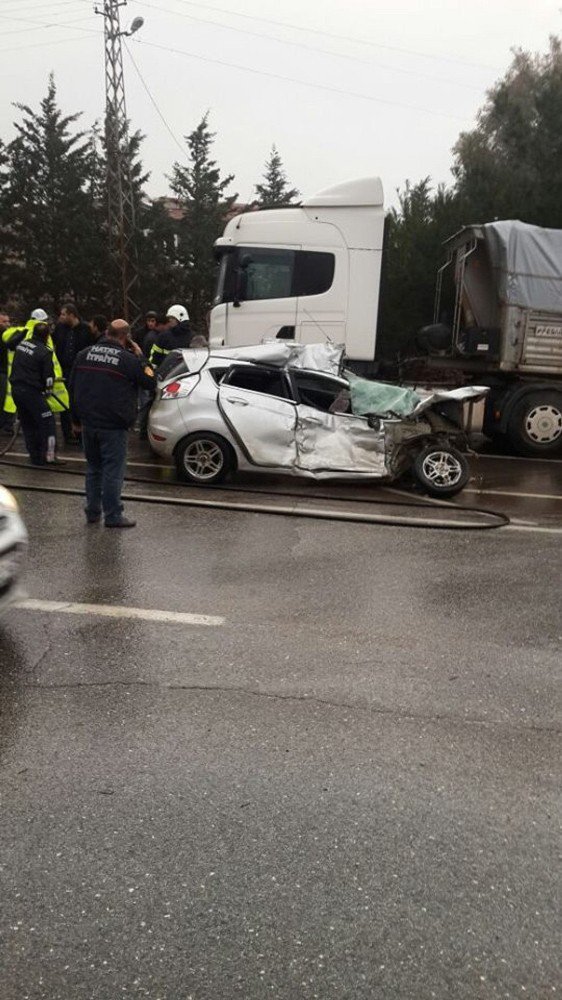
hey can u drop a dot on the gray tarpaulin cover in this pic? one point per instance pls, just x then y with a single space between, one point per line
527 263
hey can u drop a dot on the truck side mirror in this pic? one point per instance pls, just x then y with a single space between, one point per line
241 280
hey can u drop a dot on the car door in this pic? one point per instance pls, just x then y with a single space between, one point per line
256 404
333 442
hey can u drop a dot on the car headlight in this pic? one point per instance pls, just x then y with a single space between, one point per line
8 500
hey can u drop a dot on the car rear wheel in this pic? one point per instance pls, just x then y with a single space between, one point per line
204 459
441 471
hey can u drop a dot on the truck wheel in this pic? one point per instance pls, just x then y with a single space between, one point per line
535 425
204 459
441 471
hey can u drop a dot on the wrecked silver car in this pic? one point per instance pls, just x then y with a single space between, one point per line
287 408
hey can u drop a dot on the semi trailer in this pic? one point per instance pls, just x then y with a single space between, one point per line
311 272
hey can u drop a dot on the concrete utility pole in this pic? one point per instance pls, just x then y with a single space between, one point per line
121 205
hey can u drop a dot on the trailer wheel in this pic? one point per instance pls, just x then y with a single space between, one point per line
441 471
535 425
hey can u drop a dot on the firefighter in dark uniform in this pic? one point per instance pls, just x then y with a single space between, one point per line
178 335
32 376
104 387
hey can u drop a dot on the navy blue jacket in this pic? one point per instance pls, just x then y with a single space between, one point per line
104 385
32 365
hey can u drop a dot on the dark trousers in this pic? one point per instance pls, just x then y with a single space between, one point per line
6 419
146 399
106 460
37 422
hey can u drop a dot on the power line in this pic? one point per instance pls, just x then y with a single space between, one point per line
39 7
279 76
41 24
308 48
153 101
53 24
337 37
302 83
59 41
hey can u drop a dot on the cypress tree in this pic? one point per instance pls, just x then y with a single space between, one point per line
47 166
275 190
202 194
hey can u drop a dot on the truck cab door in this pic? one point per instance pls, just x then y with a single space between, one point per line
262 304
257 407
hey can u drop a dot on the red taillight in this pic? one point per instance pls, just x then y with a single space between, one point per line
158 437
177 389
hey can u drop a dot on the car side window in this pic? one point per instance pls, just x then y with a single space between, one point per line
317 390
271 383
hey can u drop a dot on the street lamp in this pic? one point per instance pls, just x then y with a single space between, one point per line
135 26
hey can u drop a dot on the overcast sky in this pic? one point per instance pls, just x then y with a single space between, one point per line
394 83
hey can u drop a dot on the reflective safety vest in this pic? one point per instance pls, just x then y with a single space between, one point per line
157 355
59 390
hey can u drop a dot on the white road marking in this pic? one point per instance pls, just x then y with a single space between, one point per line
509 493
516 458
114 611
538 529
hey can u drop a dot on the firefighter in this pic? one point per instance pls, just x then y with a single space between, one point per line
58 399
32 376
178 335
104 387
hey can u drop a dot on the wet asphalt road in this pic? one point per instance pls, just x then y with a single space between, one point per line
348 786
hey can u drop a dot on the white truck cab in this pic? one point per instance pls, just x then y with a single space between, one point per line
307 273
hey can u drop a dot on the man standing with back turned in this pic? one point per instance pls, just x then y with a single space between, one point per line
104 389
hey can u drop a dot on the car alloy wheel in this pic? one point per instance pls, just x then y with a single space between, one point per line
442 472
204 459
442 468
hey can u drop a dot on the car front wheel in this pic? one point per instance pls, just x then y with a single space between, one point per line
442 471
204 459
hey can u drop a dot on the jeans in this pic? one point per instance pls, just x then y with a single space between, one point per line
37 422
106 460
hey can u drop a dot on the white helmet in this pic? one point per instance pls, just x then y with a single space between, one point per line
178 312
40 315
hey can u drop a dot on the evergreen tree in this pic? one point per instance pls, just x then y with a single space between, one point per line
413 250
202 195
94 226
160 276
275 190
49 259
6 223
510 164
